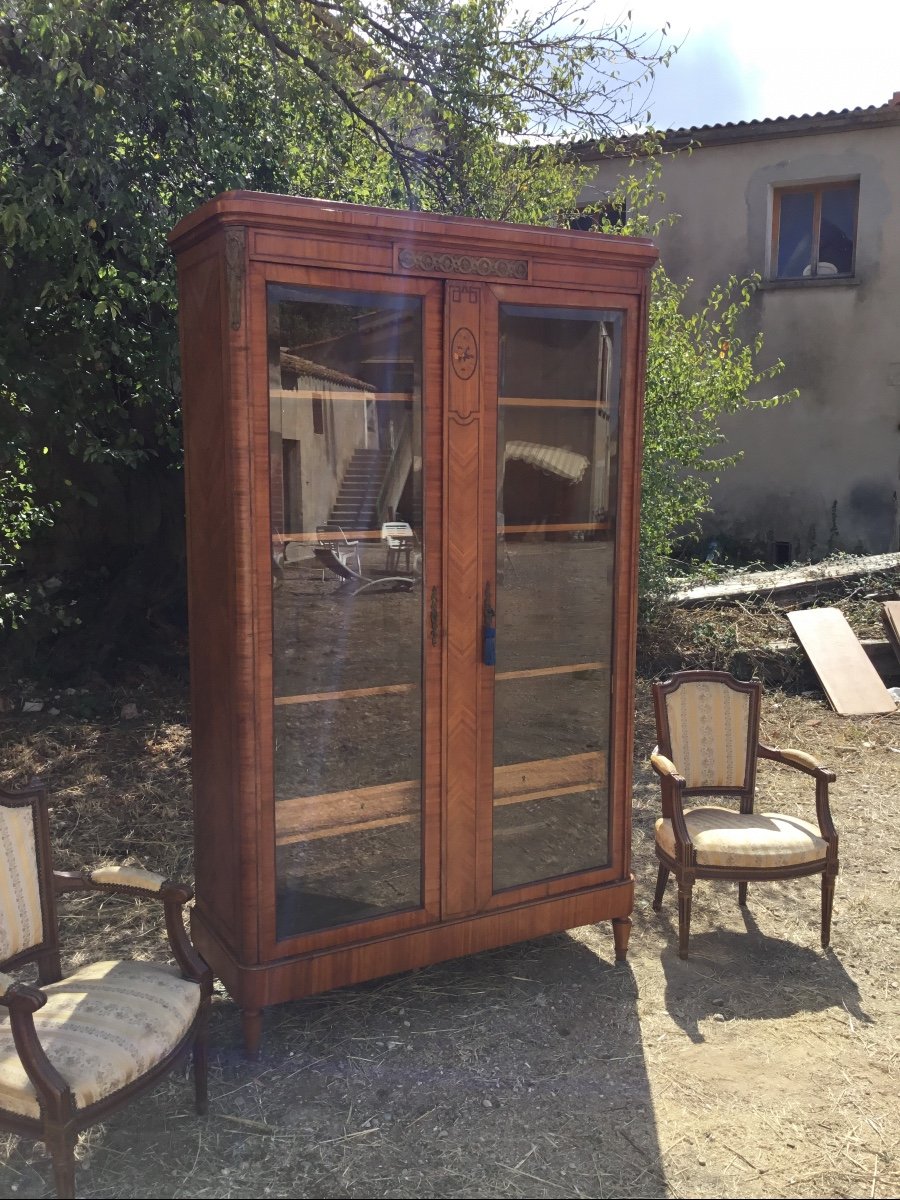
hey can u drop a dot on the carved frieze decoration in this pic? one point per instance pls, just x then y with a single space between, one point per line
439 262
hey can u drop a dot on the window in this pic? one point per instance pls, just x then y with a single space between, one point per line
318 414
595 215
814 230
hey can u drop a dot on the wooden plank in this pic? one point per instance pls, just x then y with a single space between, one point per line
778 583
850 682
890 616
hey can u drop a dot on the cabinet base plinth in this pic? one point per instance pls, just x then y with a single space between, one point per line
255 985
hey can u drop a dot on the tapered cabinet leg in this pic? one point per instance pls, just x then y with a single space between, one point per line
621 934
661 880
827 905
685 888
251 1020
742 893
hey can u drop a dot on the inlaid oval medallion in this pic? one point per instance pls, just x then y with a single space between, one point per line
464 353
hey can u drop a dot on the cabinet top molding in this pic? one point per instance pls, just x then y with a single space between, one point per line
417 231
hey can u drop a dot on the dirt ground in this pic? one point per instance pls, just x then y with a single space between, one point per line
760 1067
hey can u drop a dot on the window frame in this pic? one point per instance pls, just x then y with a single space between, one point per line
818 187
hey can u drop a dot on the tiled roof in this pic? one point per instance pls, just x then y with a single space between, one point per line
875 114
807 124
305 366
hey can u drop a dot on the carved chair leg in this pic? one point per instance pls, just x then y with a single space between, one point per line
828 881
621 933
742 893
61 1144
685 887
201 1060
661 880
251 1020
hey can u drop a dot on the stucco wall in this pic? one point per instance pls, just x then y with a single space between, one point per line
822 472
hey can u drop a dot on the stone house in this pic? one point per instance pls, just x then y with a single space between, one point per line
812 204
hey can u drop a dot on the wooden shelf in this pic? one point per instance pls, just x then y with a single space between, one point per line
550 402
390 689
322 393
536 672
352 535
584 526
400 689
308 818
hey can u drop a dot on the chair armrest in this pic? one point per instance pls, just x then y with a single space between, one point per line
134 881
798 759
801 761
665 768
16 995
673 785
23 1001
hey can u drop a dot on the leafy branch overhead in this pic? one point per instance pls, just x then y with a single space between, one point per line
442 87
119 117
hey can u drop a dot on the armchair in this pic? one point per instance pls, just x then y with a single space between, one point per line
707 723
74 1049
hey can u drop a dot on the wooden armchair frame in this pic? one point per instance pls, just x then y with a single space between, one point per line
684 864
61 1119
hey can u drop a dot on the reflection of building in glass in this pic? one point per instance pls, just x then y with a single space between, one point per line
343 377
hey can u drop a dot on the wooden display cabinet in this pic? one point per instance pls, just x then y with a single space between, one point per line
413 462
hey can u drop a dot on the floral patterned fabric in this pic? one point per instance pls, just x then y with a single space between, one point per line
21 923
723 838
708 729
102 1028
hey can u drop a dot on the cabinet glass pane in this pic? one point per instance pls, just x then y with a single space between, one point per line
345 463
556 443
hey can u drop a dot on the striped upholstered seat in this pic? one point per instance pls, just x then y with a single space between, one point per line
708 727
75 1048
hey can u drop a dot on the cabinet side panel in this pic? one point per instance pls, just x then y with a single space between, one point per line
210 591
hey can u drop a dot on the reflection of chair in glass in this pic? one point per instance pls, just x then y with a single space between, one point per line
329 559
707 723
335 540
74 1049
400 540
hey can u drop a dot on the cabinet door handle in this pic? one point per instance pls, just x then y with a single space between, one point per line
435 616
488 630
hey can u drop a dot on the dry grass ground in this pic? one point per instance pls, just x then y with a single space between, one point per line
760 1067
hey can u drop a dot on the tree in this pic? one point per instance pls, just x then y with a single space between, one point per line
701 366
120 116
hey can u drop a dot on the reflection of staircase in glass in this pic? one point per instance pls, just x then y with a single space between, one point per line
357 501
373 484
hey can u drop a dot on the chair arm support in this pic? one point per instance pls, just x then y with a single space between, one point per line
23 1001
801 761
672 786
137 882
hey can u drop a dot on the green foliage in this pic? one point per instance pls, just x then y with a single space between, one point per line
118 117
702 365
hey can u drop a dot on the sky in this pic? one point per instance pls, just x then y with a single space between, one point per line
768 58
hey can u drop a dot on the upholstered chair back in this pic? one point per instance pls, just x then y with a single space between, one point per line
710 727
21 916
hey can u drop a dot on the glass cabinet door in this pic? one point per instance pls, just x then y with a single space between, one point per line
345 462
556 456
